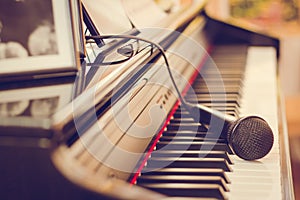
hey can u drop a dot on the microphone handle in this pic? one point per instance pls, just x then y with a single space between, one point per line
206 115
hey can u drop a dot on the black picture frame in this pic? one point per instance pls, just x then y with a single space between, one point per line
36 38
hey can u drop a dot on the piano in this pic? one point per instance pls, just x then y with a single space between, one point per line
121 132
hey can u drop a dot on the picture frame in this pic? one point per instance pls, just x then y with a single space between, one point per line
77 15
36 38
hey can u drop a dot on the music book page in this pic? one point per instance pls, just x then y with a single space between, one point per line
109 17
143 13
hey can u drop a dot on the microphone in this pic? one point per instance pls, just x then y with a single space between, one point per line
250 137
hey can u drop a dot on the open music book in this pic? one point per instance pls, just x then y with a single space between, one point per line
120 16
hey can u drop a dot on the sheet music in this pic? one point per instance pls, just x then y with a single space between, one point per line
109 17
143 13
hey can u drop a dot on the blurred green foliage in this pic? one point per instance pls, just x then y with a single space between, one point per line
257 8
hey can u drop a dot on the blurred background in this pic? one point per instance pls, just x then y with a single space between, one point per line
281 19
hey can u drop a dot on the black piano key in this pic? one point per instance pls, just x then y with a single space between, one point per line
182 120
186 171
214 104
231 50
227 63
215 87
217 78
184 115
217 106
232 108
233 80
236 51
198 145
192 146
235 90
215 96
216 82
195 100
226 69
220 73
180 114
188 190
239 53
184 126
183 179
190 153
201 92
227 53
232 113
191 133
223 76
191 120
186 138
189 162
207 75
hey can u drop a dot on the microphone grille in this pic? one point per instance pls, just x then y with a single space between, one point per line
250 138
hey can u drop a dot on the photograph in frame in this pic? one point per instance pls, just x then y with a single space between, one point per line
36 37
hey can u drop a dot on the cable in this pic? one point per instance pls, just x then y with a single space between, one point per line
160 48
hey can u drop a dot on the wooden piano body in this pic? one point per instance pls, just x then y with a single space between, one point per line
107 141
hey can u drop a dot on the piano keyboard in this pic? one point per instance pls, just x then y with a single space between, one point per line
177 167
108 142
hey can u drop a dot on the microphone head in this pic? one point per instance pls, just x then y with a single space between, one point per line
250 138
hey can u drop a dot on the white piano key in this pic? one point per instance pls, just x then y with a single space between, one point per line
259 179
